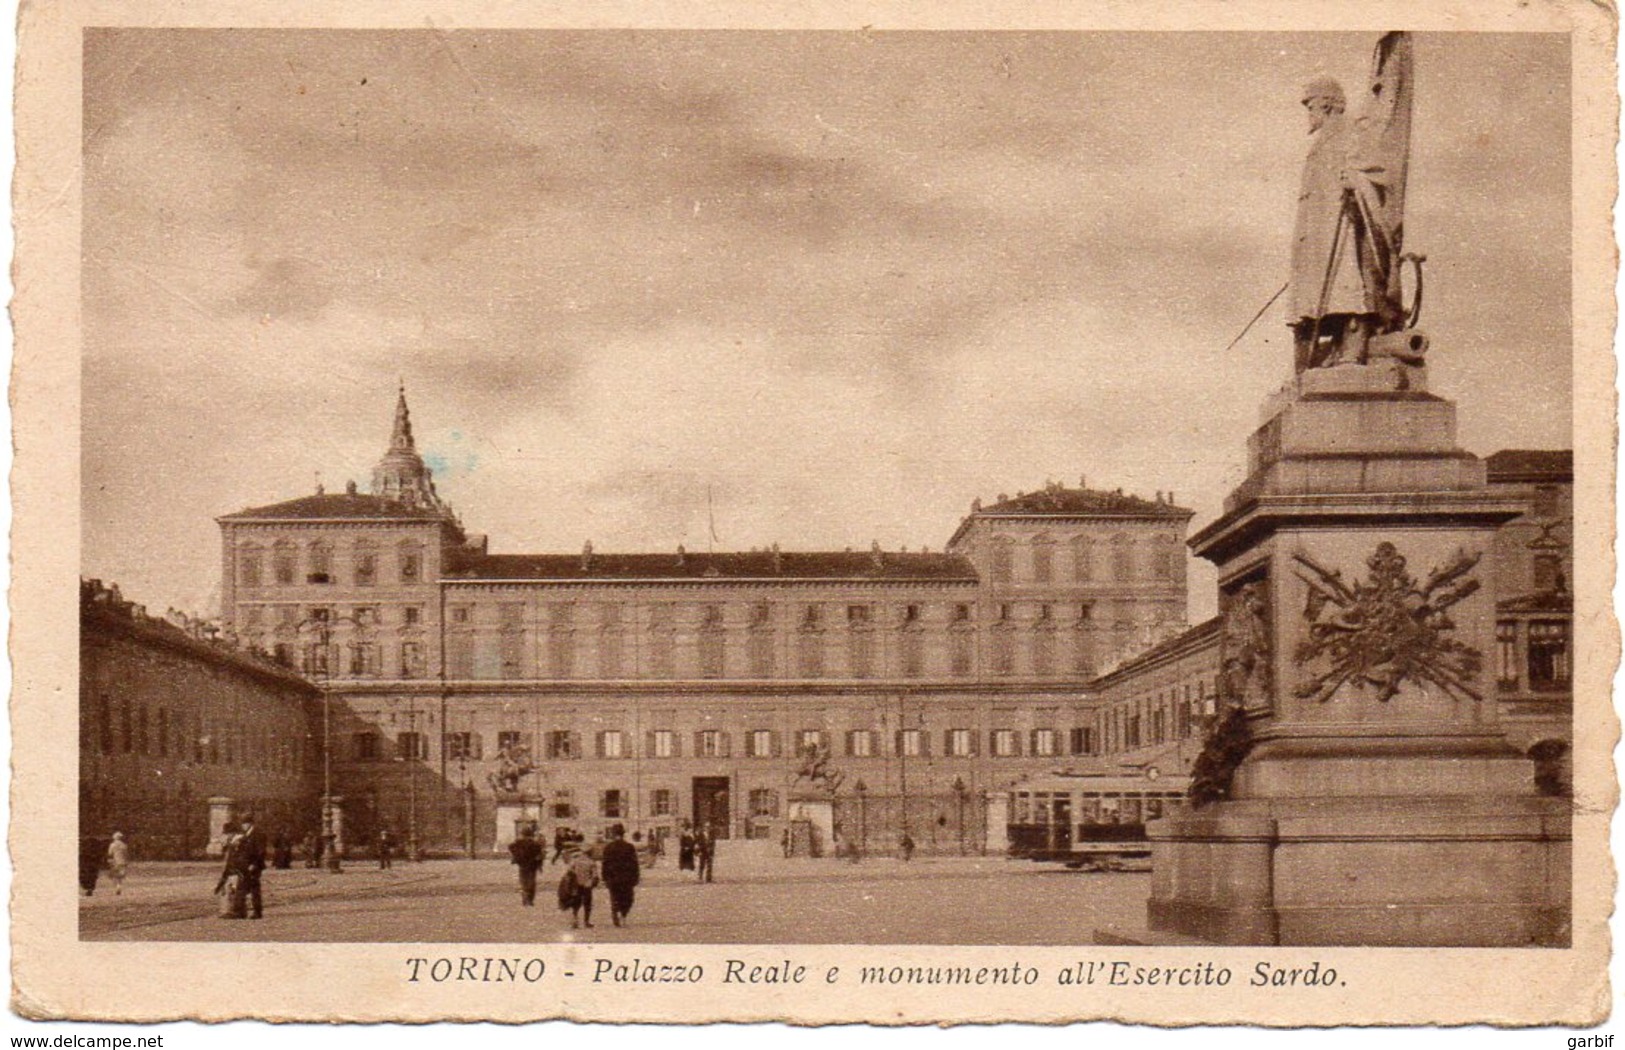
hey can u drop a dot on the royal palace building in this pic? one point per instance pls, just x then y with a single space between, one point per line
468 689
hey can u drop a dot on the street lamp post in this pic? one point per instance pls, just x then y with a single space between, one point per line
863 817
323 669
961 792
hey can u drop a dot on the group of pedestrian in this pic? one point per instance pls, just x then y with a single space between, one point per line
618 869
239 884
696 851
94 856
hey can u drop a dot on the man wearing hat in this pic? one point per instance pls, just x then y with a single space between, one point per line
528 854
252 860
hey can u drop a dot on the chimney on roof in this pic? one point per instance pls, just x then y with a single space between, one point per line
1083 481
586 556
874 554
321 490
682 555
1002 497
778 559
1170 497
1159 495
976 505
349 487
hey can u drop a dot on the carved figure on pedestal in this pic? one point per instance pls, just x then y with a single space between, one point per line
1245 689
1347 246
514 764
1386 629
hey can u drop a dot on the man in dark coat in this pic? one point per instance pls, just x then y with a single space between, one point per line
528 854
619 870
252 859
705 852
91 853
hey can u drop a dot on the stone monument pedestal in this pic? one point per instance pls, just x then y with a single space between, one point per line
1377 802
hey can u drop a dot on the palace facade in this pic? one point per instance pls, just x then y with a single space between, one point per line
648 688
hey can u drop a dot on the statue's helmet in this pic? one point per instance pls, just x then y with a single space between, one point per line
1326 88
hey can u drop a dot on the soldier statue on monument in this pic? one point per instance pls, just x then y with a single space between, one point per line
1346 252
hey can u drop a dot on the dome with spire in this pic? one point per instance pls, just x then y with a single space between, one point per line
402 475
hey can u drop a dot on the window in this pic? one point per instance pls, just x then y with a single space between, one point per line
611 744
321 564
411 660
1044 743
282 653
510 741
411 565
142 741
811 618
809 740
561 744
962 612
461 614
663 743
810 654
611 645
411 615
961 653
564 807
1043 560
318 659
282 565
711 743
1083 560
1548 654
1004 652
364 659
1004 743
1083 652
959 743
712 642
511 654
760 651
911 743
761 614
662 645
661 802
1043 650
764 803
1080 741
911 653
460 655
462 746
366 568
1122 558
761 743
248 567
611 803
1506 648
365 747
860 743
1000 560
911 615
561 651
860 651
857 615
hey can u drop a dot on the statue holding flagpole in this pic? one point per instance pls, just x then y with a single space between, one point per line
1348 241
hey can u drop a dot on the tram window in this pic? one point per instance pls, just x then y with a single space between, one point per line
1089 810
1153 808
1130 811
1024 808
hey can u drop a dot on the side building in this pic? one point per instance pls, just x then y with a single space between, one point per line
170 718
474 689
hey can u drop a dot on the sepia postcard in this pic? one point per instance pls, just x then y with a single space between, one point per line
920 514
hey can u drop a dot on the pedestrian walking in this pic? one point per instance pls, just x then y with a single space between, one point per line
705 853
620 873
282 850
528 854
908 847
386 849
685 848
229 887
91 859
561 839
118 861
252 848
575 889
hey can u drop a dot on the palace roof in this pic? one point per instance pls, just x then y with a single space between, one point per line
336 507
1065 502
752 565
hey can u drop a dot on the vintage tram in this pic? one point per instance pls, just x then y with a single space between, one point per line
1091 820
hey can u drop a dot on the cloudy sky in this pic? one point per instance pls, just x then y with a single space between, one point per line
845 281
